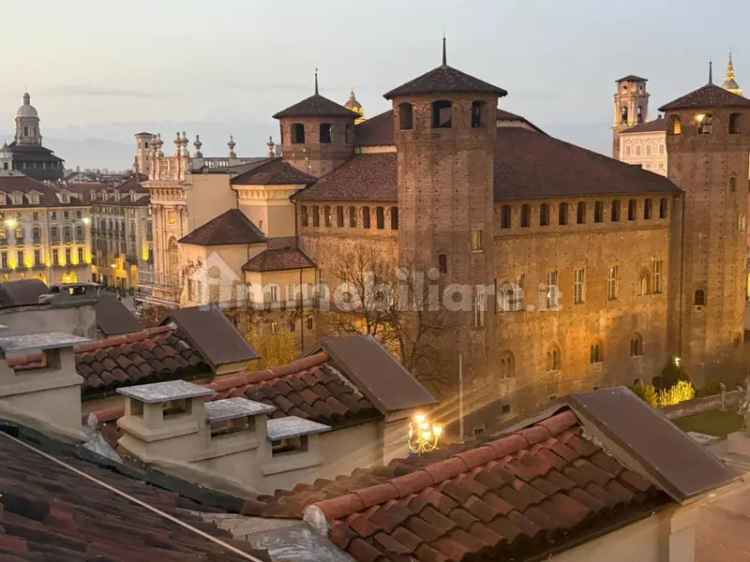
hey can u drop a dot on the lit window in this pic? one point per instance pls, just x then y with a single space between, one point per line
476 240
579 286
612 283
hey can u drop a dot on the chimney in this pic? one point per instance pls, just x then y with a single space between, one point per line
228 444
39 385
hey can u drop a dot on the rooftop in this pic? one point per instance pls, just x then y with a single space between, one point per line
39 342
235 408
707 96
230 227
273 172
316 106
293 426
278 259
653 126
445 79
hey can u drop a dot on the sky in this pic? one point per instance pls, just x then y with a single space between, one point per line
98 72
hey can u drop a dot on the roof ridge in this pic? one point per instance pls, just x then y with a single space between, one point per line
446 469
233 381
115 341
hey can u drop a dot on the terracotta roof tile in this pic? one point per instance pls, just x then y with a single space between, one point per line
445 79
365 177
279 259
274 172
493 498
316 106
706 97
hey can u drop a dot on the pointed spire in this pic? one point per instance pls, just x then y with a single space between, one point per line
710 72
445 56
316 80
730 68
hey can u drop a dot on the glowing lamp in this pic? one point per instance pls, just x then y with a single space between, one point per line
11 223
424 436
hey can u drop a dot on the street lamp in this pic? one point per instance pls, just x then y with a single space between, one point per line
424 436
86 220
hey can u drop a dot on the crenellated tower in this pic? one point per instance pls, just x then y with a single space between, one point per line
445 135
317 134
708 141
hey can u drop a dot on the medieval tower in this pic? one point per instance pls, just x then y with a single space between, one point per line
630 107
445 134
708 141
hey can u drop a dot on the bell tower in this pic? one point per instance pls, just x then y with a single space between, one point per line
317 134
445 134
708 141
630 107
27 124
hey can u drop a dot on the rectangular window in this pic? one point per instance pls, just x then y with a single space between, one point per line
479 300
4 260
20 258
55 257
80 256
552 295
658 267
599 211
476 240
632 209
505 216
615 214
340 216
647 209
316 215
443 263
380 217
543 214
67 256
525 216
663 208
365 217
37 257
327 216
581 213
303 216
579 287
394 218
612 283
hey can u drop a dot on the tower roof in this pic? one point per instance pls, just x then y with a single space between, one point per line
731 82
27 110
709 95
631 78
231 227
316 106
445 79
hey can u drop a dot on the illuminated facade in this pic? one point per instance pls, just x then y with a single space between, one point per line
45 232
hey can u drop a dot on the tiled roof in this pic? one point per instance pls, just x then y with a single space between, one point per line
311 388
50 512
632 78
445 79
376 131
708 96
508 117
316 106
230 227
529 165
10 182
365 177
279 259
654 126
154 354
522 496
113 318
274 172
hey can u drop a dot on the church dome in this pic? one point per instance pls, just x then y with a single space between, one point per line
27 110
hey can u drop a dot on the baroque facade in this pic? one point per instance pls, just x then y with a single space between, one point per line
581 271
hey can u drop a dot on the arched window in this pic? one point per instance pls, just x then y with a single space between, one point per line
615 214
352 217
380 217
647 208
405 116
636 345
644 284
525 216
298 133
477 112
325 133
507 365
632 209
700 298
304 216
733 184
543 214
510 297
553 358
340 216
624 114
675 125
599 211
705 123
735 123
663 208
505 216
394 218
596 355
442 111
562 214
365 217
443 263
581 213
316 215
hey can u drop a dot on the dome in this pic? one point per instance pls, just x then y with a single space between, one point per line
27 110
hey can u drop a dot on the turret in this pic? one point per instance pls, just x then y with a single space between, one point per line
27 123
317 134
708 142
